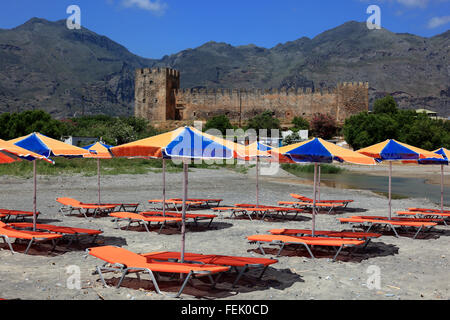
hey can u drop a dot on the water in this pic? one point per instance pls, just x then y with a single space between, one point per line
405 187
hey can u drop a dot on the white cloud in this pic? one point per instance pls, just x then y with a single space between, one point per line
409 3
414 3
438 21
155 6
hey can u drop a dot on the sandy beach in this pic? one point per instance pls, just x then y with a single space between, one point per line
409 269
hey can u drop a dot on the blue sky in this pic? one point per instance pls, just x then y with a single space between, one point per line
153 28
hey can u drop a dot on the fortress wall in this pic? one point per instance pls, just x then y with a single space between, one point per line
159 98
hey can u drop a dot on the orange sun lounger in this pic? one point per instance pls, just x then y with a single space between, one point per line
246 211
307 242
64 231
176 203
6 215
128 207
70 205
428 210
392 224
419 216
239 264
124 261
194 216
207 203
283 211
306 199
332 234
7 232
309 205
132 217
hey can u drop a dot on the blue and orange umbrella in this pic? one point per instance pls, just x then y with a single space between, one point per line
183 144
9 153
392 150
47 147
445 153
319 151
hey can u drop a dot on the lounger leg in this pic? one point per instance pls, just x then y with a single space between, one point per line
309 250
281 249
6 240
99 271
29 245
209 224
183 285
241 272
261 248
262 272
124 273
337 253
417 233
162 226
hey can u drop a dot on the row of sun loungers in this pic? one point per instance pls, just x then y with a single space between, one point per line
8 215
160 218
44 232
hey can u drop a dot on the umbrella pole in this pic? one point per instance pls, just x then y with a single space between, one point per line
390 189
257 182
442 188
183 217
98 180
318 185
164 186
34 196
314 201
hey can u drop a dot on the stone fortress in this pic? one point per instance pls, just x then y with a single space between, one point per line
159 98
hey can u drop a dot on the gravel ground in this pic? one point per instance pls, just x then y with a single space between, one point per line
408 269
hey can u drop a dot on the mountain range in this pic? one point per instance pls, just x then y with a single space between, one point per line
44 65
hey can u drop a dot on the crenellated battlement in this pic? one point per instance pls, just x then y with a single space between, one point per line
159 97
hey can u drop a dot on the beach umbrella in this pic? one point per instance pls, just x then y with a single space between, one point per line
318 151
445 153
392 150
49 148
98 151
183 144
9 153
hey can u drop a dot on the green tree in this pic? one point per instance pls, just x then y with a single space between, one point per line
263 121
407 126
385 105
221 123
300 123
15 125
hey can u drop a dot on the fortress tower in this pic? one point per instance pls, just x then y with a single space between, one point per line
155 93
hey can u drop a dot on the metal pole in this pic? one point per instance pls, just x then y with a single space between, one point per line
318 186
34 196
442 188
314 201
183 217
164 186
390 188
98 180
257 181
